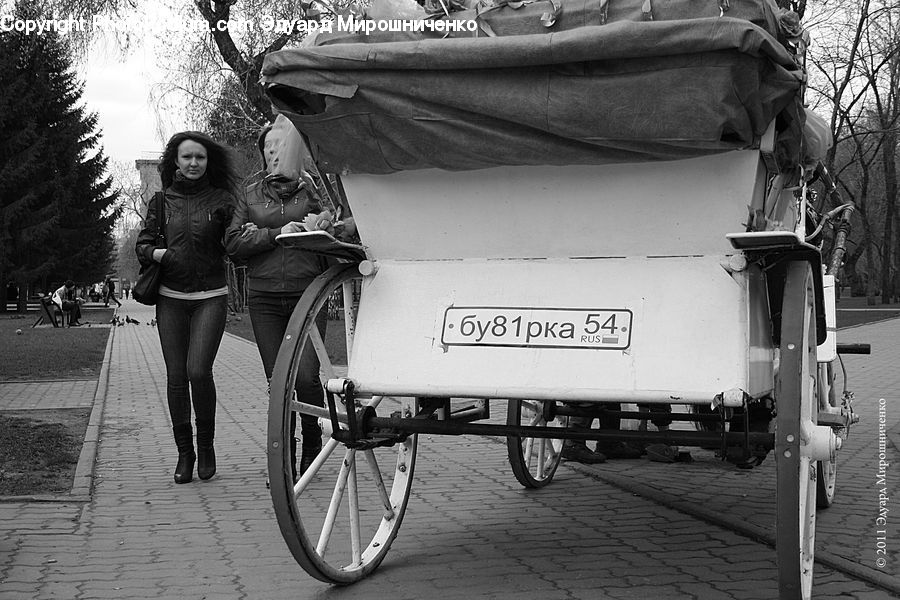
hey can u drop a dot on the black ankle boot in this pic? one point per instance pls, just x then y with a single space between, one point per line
308 454
184 439
311 438
206 455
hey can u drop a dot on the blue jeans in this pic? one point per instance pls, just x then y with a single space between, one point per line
190 332
73 308
269 315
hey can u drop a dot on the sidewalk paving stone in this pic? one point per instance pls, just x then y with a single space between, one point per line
470 531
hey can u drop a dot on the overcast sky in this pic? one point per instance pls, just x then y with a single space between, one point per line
118 87
119 92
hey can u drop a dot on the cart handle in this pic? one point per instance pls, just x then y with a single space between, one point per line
854 349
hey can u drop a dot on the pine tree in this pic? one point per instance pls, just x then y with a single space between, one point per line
56 208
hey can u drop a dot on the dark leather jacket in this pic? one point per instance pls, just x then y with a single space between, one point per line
196 218
273 268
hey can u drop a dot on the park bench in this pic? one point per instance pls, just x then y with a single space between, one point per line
48 313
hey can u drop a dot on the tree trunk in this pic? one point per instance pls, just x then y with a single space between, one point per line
3 288
22 300
850 275
888 250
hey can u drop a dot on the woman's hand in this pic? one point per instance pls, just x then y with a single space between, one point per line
293 227
248 228
345 229
158 254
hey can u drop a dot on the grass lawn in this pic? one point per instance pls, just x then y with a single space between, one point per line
857 311
47 353
39 449
240 325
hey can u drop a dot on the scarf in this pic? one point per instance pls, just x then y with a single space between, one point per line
183 185
281 186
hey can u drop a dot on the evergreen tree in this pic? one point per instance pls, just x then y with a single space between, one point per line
56 208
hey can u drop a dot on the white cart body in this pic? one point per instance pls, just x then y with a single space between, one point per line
558 245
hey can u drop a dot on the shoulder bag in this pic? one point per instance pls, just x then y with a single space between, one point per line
146 290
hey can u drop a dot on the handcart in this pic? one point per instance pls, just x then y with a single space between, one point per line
557 272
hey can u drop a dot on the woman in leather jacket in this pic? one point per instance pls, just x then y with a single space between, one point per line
198 181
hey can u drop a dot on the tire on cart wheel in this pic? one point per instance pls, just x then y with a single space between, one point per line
533 460
796 401
340 518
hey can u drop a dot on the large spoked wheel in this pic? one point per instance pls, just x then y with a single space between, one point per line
340 518
533 460
826 470
796 403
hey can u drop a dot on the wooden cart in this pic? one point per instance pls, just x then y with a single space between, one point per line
554 289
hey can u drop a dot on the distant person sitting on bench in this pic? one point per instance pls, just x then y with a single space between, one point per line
65 299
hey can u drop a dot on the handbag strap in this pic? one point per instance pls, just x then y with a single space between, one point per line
160 198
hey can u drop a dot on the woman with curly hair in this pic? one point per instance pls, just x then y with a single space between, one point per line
199 184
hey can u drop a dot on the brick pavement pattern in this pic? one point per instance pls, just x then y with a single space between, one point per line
847 528
27 395
471 532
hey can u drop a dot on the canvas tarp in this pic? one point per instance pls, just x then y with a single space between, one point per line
626 91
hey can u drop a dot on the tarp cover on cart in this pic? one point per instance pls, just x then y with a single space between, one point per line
680 82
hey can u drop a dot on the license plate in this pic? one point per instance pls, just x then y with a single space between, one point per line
594 328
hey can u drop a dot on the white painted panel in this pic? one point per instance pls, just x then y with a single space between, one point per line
664 208
688 338
827 350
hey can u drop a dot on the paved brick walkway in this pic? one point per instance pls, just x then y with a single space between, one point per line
470 532
68 393
846 529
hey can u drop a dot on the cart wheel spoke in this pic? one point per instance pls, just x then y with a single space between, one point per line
354 512
327 449
338 520
796 403
379 483
336 498
324 360
533 460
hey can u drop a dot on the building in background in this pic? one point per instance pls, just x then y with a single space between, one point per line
150 181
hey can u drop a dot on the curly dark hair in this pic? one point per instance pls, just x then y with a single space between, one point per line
220 169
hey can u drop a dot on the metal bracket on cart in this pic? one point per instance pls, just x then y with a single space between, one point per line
441 409
731 399
358 434
773 250
752 455
840 421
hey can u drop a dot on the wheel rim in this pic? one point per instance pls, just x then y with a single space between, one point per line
796 403
826 481
826 470
533 460
341 517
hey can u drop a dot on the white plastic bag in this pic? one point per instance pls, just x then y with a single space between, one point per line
395 9
817 139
